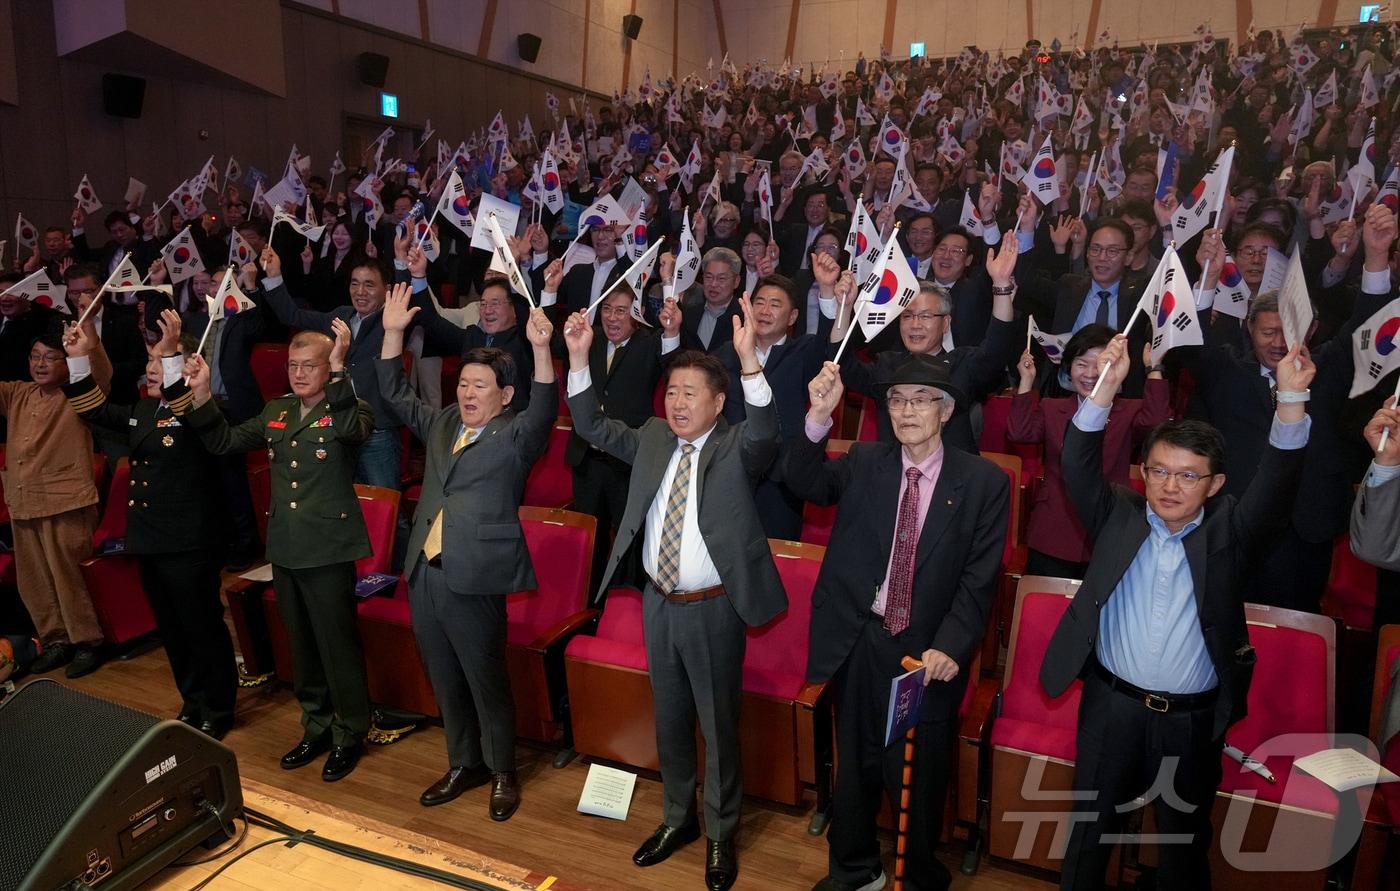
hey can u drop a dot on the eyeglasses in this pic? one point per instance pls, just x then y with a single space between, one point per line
1186 479
303 367
918 403
925 317
718 277
44 359
722 220
944 250
1111 251
1258 253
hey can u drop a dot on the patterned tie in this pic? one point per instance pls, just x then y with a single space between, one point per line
432 545
900 584
612 353
1101 316
668 557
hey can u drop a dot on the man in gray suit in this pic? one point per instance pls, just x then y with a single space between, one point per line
1375 517
690 508
467 550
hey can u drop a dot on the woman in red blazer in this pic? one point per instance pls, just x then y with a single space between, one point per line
1057 541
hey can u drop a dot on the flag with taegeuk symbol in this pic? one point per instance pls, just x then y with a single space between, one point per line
181 257
228 300
39 288
890 287
1170 307
1053 345
1231 293
1375 348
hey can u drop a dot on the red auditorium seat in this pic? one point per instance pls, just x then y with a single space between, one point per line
1351 588
113 581
1013 560
540 622
996 415
1378 849
1292 692
785 729
1032 737
269 363
868 421
551 480
816 519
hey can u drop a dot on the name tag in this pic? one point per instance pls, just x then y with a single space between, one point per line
131 422
324 421
277 425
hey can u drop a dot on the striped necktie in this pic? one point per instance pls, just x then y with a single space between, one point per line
668 557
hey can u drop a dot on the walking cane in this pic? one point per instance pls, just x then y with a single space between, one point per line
906 780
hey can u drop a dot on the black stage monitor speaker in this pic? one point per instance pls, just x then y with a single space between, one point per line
92 792
123 95
529 46
632 25
373 68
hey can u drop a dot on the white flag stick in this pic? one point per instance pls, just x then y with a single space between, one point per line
199 350
1088 184
1385 434
842 348
1029 322
97 298
1126 328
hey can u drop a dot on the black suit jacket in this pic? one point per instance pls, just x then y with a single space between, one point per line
956 562
364 349
724 328
792 244
1219 551
169 510
441 337
126 348
626 392
978 371
146 252
791 365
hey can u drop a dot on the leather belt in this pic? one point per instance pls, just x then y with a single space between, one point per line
695 596
1157 702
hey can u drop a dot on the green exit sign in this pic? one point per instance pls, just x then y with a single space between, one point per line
389 105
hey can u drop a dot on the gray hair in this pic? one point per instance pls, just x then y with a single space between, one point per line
942 299
726 256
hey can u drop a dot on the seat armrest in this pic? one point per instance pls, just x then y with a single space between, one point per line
810 695
563 630
976 724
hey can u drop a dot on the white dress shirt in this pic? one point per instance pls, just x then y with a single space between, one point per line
697 568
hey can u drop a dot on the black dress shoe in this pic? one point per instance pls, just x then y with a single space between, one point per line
453 783
55 655
86 660
721 865
664 842
305 752
505 795
217 729
341 761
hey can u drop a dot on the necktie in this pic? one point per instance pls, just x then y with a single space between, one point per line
432 545
668 558
900 585
612 353
490 340
1101 315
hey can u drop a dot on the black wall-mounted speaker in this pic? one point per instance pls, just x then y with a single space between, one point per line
529 47
123 95
632 25
373 69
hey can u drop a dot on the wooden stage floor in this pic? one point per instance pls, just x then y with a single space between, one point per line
546 837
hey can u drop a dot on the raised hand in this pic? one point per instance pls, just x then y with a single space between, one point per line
1113 368
670 318
1378 233
1386 418
1344 241
578 337
341 348
308 257
1212 252
825 270
1295 371
1025 370
539 329
746 336
271 263
403 240
417 262
197 376
398 314
80 340
156 273
554 276
668 267
1001 262
248 276
824 393
170 326
1060 232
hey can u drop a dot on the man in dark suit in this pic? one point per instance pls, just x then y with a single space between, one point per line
316 531
498 327
788 362
977 371
709 322
381 453
1157 630
690 509
1062 302
795 238
1235 385
120 332
582 284
175 531
929 523
467 550
626 364
126 238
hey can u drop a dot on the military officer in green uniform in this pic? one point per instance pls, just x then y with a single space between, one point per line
175 532
315 532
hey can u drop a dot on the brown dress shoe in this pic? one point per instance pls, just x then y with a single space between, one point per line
505 795
453 783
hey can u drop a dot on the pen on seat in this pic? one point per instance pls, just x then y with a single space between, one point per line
1250 763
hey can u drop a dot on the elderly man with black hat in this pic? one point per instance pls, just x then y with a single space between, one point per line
910 570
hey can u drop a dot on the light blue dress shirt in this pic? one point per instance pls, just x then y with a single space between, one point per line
1149 629
1090 309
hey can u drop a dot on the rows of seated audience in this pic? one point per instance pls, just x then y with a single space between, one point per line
150 448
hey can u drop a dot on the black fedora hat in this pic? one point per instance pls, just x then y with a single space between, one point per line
921 370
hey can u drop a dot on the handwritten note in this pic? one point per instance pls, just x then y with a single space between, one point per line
1344 769
607 792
